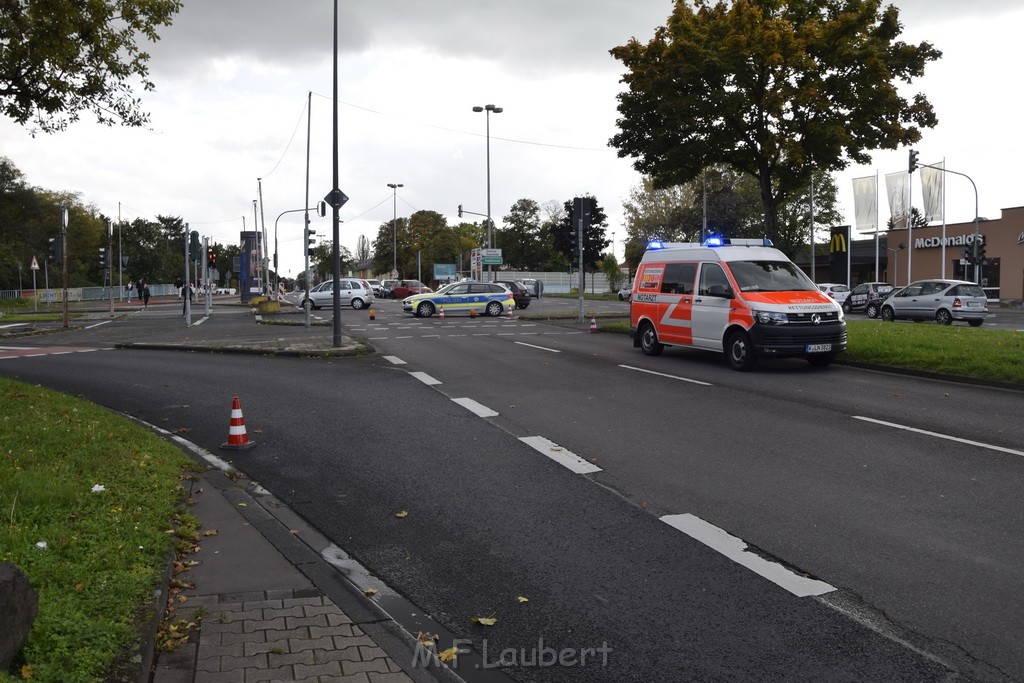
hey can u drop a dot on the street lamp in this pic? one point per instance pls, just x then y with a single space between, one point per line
394 228
497 110
896 261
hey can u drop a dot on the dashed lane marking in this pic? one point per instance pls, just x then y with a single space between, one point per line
562 456
939 435
477 409
425 378
8 352
394 360
662 374
534 346
736 550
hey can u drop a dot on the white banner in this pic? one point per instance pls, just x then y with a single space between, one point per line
931 192
865 203
897 186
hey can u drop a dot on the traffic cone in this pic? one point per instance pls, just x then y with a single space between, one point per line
472 313
373 314
510 311
237 437
593 324
441 316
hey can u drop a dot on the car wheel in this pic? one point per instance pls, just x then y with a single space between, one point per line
649 343
425 309
943 317
975 323
358 303
494 308
872 310
821 360
888 315
521 306
739 351
847 308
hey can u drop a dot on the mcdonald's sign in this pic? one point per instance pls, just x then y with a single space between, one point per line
839 244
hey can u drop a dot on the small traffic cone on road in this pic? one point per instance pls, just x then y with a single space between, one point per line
472 313
593 324
373 314
441 316
237 437
510 311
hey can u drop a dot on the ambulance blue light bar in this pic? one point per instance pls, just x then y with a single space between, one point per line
715 241
655 244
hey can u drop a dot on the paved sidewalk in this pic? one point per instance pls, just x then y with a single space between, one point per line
267 607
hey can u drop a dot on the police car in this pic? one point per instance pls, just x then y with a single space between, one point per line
486 298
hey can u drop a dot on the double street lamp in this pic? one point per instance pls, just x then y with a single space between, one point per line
488 109
394 228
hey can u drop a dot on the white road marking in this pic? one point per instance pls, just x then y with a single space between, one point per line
948 437
477 409
425 378
394 360
534 346
562 456
662 374
736 550
105 322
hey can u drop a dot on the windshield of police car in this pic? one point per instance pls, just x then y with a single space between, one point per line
770 276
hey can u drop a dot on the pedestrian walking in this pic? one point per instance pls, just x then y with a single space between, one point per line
188 290
144 288
129 289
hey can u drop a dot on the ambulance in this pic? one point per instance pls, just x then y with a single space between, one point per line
740 297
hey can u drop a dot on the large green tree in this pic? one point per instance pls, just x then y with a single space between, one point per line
777 89
59 58
521 238
565 242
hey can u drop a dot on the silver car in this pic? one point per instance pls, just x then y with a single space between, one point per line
354 293
940 300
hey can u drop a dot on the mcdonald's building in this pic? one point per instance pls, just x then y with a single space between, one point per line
933 251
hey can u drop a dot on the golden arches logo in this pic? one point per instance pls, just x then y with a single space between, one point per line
838 243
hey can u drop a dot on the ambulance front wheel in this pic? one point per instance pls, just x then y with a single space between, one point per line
649 343
739 351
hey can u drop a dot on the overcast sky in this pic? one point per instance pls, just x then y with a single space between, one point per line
232 78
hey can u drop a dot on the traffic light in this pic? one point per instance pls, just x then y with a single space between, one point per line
211 257
913 160
193 247
979 247
104 258
53 250
310 241
460 210
967 255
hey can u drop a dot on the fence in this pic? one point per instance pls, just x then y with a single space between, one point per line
562 283
53 295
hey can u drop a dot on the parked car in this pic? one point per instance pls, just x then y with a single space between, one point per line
940 300
874 305
354 293
486 298
625 292
520 294
386 288
377 288
865 292
835 290
405 288
533 286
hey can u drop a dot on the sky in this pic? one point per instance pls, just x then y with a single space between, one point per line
233 77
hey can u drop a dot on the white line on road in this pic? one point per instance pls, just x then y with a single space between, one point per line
477 409
425 378
941 436
562 456
105 322
662 374
394 360
534 346
736 550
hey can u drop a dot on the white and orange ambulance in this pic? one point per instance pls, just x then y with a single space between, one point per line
741 297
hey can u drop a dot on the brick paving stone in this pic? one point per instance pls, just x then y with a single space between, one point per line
263 625
212 624
303 602
368 652
300 644
336 619
241 615
208 650
339 630
236 676
242 597
377 665
327 608
282 611
295 622
272 644
349 653
341 642
254 662
289 658
262 604
388 678
283 673
356 678
231 638
286 633
328 669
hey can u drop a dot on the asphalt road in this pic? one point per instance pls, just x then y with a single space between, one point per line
917 533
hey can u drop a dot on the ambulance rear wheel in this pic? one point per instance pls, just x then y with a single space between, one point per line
739 351
649 343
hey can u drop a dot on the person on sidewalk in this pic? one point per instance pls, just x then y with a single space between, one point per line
144 288
190 290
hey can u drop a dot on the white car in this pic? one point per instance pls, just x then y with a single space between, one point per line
625 292
352 292
835 290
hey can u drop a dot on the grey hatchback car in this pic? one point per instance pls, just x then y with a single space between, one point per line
940 300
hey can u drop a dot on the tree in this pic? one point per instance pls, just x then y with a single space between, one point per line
520 238
564 240
916 220
362 248
778 89
61 57
610 267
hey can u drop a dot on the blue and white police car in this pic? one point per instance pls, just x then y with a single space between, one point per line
485 298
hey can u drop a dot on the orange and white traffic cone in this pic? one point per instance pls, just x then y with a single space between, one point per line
373 314
441 316
237 437
511 306
472 313
593 324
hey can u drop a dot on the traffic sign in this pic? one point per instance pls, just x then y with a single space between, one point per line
490 257
336 198
35 264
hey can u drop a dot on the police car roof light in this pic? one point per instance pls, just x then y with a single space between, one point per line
714 241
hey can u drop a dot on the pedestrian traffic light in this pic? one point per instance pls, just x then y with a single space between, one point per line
211 257
310 241
913 160
104 260
53 250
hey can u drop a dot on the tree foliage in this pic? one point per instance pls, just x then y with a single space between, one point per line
777 89
59 58
564 240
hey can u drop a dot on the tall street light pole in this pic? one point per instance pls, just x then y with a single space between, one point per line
487 109
394 228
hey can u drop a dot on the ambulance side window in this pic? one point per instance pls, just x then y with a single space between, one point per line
711 274
678 278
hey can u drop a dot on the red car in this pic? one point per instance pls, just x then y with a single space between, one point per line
404 288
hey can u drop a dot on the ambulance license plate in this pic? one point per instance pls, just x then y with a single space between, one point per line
819 348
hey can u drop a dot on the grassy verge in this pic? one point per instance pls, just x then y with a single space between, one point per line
94 557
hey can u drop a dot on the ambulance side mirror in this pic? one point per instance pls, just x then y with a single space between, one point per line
721 292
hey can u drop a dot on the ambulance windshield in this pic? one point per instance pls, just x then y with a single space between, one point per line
770 276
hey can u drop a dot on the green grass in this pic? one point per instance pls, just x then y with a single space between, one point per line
106 551
954 349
